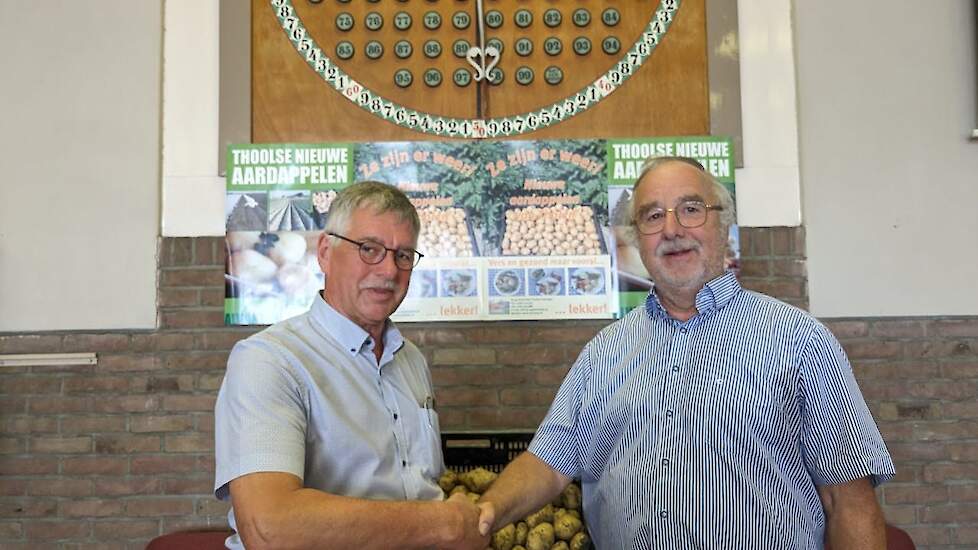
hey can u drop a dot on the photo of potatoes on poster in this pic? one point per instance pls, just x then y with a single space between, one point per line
515 230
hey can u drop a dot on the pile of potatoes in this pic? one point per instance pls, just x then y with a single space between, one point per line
557 526
551 231
444 233
268 262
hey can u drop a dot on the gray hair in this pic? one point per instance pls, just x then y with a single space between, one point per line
381 197
728 216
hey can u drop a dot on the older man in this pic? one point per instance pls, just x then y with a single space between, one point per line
326 435
714 417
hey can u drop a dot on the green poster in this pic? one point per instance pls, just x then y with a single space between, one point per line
516 230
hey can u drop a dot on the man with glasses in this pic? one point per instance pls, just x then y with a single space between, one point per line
326 435
713 417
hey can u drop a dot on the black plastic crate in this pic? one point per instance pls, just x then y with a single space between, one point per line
492 451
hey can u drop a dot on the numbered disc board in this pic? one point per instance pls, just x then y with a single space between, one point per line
354 70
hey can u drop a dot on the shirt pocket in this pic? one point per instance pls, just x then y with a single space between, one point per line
426 445
745 401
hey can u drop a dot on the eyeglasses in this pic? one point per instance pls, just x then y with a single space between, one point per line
373 253
689 214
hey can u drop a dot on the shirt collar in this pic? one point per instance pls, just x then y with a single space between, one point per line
351 335
714 295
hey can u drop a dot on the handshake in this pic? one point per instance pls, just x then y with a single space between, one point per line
480 525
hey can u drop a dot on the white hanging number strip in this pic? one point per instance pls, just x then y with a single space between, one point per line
488 57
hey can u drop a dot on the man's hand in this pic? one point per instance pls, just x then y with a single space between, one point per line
487 516
272 509
464 522
524 486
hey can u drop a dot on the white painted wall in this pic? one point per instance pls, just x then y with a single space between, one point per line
887 95
79 163
193 193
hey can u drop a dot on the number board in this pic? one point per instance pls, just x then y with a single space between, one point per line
370 70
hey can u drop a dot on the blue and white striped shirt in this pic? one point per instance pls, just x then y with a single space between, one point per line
712 433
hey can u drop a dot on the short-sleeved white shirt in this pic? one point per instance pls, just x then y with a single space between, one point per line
306 396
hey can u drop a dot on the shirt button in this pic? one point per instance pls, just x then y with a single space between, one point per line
352 350
665 461
663 514
683 330
669 413
404 463
675 368
395 416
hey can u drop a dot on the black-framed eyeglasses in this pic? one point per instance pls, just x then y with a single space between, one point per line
372 252
689 214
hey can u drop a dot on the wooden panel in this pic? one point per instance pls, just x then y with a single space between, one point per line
667 96
378 74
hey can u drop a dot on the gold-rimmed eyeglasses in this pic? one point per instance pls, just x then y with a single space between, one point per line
689 214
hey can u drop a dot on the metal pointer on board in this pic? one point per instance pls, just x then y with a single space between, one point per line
483 66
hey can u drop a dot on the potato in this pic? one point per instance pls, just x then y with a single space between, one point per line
458 489
289 248
540 537
474 497
580 541
242 240
505 538
296 279
571 497
543 515
448 480
521 530
519 547
478 480
566 526
251 266
559 545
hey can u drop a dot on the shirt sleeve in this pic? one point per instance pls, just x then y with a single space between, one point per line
558 439
840 440
259 418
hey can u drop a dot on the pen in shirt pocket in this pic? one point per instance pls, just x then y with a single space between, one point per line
429 405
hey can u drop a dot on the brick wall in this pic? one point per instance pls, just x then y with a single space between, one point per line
112 455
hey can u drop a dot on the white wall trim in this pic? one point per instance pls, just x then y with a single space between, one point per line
193 193
769 184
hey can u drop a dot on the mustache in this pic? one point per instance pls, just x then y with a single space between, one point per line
377 284
676 245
